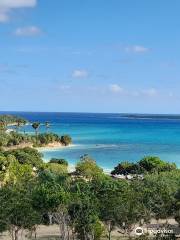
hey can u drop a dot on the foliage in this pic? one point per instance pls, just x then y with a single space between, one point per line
66 140
12 119
57 168
16 210
13 139
36 126
148 164
4 139
126 168
59 161
84 210
20 164
43 139
47 196
155 164
88 168
26 156
18 173
158 193
177 206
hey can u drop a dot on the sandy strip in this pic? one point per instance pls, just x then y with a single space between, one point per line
54 147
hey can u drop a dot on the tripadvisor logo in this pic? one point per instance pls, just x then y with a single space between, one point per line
139 231
161 231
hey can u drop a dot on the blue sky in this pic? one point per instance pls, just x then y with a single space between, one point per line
90 55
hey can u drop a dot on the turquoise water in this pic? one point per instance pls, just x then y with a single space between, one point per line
112 138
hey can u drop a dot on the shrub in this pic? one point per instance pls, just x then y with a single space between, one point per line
27 156
148 164
66 140
59 161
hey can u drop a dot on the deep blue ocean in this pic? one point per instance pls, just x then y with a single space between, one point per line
112 138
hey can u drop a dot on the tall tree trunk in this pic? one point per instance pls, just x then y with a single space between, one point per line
12 233
109 235
68 233
109 231
16 234
73 234
35 234
50 218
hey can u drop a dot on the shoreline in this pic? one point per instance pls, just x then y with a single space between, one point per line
49 147
54 147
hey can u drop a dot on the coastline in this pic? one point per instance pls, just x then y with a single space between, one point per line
54 147
57 147
48 147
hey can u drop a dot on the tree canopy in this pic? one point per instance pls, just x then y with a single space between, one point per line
149 164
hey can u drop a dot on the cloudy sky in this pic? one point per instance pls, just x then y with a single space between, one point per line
90 55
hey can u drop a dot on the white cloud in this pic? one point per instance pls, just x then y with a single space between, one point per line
115 88
135 93
6 6
171 94
28 31
64 87
17 3
80 73
137 49
3 15
150 92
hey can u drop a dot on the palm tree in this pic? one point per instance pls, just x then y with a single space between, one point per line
2 126
36 126
47 124
18 125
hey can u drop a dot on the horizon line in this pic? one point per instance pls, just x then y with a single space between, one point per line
123 113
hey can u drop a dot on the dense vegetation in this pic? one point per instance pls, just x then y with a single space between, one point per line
12 137
6 120
43 139
12 119
148 164
86 204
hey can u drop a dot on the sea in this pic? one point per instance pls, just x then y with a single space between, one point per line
110 138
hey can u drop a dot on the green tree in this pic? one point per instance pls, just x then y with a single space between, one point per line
11 119
158 193
126 168
51 199
84 211
27 155
88 168
47 196
155 164
2 126
57 168
66 140
16 211
120 204
19 123
36 126
177 206
4 139
59 161
149 164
